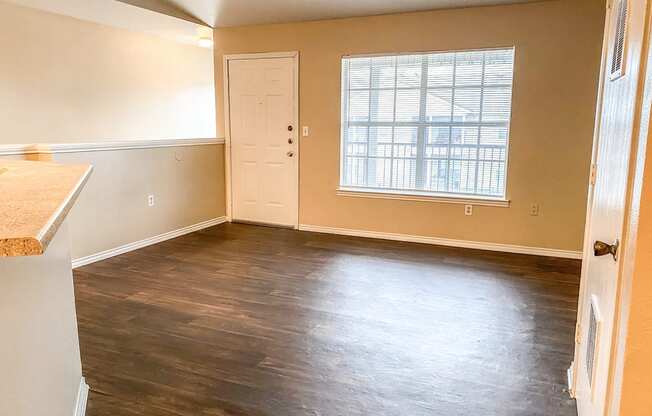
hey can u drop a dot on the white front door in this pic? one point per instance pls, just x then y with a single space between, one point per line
600 272
263 140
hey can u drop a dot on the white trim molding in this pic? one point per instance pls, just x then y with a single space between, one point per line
18 149
82 398
570 380
422 197
45 148
102 255
478 245
261 55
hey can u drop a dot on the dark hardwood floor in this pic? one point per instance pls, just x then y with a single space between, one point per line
256 321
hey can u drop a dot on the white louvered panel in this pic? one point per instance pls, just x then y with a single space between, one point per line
436 122
620 24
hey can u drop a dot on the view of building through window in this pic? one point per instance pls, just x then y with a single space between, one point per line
435 123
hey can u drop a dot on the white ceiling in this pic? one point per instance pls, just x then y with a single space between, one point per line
221 13
122 15
180 19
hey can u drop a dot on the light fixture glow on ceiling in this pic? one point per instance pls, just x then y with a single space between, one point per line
205 36
205 42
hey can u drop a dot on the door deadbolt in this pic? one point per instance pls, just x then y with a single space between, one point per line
290 154
290 128
602 249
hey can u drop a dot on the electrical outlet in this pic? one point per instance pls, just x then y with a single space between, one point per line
150 200
468 209
305 131
534 209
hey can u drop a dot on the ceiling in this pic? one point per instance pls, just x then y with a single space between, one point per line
223 13
125 16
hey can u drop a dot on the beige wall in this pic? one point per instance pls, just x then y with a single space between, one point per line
39 352
633 341
635 398
64 80
558 47
112 210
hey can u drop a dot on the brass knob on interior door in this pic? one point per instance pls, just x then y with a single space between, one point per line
602 249
290 153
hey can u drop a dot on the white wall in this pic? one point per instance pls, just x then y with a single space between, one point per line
67 80
40 368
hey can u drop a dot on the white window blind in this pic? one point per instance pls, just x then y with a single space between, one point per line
434 123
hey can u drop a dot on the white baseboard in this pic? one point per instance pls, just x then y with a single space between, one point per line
570 379
82 398
478 245
146 242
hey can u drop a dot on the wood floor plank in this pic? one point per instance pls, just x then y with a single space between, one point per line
241 320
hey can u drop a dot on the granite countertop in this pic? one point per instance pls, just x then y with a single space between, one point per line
35 198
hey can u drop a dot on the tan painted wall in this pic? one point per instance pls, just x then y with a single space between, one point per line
39 352
64 80
635 398
558 47
633 341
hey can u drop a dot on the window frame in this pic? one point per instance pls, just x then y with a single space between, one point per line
424 195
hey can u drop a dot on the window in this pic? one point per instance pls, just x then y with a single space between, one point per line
435 123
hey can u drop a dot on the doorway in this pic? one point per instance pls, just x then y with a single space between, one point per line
262 148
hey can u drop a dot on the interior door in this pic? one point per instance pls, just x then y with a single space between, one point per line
600 274
263 140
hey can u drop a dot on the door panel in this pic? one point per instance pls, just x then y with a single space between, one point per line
263 150
600 274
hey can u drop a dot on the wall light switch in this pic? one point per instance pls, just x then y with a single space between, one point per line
468 209
150 200
305 132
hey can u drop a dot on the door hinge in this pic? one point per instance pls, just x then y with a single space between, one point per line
594 173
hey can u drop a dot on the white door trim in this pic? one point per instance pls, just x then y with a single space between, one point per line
227 122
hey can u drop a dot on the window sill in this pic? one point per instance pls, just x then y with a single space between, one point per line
423 197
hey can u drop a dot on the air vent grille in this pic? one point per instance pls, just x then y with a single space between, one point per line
592 341
618 55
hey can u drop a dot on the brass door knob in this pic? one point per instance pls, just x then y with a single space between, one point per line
602 249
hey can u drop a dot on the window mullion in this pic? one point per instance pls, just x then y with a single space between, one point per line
421 131
450 129
477 145
391 160
371 170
